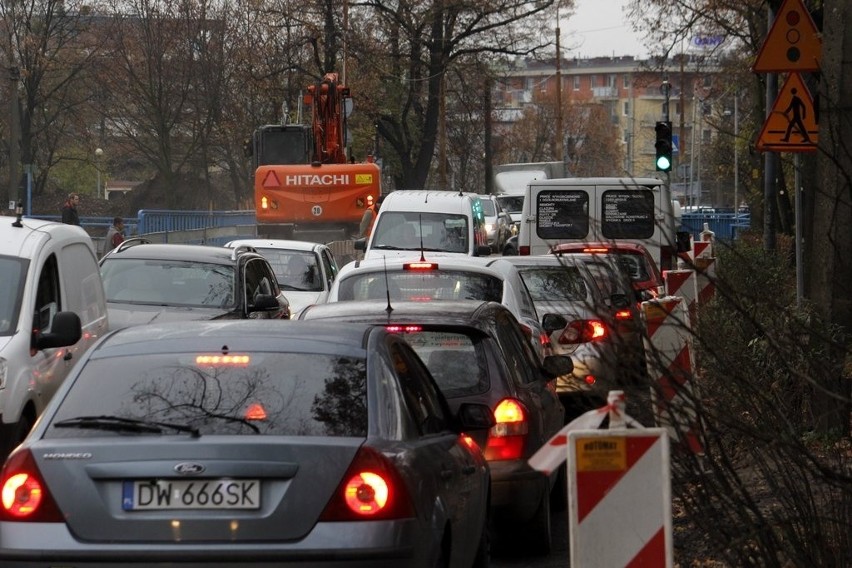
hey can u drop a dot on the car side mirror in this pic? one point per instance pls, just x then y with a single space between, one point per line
553 322
473 416
360 244
558 365
265 303
65 330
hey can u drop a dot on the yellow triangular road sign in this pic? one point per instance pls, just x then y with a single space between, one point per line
792 124
793 42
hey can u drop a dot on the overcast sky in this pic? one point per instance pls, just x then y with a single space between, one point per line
599 28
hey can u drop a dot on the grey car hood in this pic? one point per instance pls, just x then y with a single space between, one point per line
126 315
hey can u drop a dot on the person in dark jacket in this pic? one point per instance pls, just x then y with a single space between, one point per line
69 210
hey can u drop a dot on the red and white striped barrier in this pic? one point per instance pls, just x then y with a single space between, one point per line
619 488
705 266
619 498
670 357
683 283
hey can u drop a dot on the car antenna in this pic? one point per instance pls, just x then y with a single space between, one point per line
19 213
388 309
420 222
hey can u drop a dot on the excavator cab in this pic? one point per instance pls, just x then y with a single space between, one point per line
282 144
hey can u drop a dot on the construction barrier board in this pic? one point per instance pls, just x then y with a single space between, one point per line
619 485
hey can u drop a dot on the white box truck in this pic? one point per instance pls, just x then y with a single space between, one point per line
602 209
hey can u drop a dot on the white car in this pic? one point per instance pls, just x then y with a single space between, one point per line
440 278
305 270
600 338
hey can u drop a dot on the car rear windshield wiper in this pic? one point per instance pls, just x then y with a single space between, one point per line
117 423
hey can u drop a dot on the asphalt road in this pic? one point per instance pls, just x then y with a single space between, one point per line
558 556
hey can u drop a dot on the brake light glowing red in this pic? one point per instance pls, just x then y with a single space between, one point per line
599 250
590 380
507 438
367 493
404 328
23 492
624 314
371 488
255 412
420 266
222 360
583 331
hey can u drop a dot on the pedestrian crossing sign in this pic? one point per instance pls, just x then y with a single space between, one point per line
792 124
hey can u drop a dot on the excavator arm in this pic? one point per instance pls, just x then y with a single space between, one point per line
327 100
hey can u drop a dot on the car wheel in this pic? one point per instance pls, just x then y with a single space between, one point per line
559 493
537 530
483 551
14 434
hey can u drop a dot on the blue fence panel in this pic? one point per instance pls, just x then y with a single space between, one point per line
97 226
161 220
727 226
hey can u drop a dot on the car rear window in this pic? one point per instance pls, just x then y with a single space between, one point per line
169 282
554 283
454 359
421 286
288 394
411 230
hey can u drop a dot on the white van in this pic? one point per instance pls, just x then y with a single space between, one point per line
637 210
52 308
438 222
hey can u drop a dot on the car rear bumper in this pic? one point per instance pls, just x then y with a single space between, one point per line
46 545
516 490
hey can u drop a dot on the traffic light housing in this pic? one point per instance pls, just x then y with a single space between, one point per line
663 146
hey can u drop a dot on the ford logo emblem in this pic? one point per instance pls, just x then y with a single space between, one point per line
189 468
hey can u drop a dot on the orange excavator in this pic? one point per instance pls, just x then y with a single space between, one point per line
305 186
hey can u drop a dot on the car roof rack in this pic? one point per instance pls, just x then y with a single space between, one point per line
240 249
127 243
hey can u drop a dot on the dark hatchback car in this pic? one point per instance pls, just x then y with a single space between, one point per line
147 282
242 443
477 353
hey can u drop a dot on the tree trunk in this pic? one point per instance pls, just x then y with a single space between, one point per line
831 263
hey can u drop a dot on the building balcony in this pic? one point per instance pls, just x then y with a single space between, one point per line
605 92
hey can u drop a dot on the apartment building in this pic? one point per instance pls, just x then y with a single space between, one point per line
632 92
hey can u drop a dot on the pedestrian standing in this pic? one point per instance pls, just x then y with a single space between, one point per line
369 217
69 210
114 236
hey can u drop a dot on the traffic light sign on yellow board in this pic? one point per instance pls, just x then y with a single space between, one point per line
663 145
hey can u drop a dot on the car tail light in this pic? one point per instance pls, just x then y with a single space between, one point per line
264 202
404 328
596 250
524 250
371 489
624 315
23 493
583 331
507 438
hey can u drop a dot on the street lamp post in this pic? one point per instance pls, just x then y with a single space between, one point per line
98 155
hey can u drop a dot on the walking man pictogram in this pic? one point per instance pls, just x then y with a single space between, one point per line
800 112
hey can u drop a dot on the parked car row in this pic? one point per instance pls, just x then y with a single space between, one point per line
396 431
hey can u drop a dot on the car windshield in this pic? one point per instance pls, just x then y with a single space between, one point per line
13 270
424 285
407 230
554 283
169 282
295 270
511 203
285 394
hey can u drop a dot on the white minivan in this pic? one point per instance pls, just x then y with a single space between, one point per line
52 309
569 210
438 222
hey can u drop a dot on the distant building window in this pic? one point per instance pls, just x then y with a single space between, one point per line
678 110
592 81
626 81
708 80
576 82
610 81
626 109
706 136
